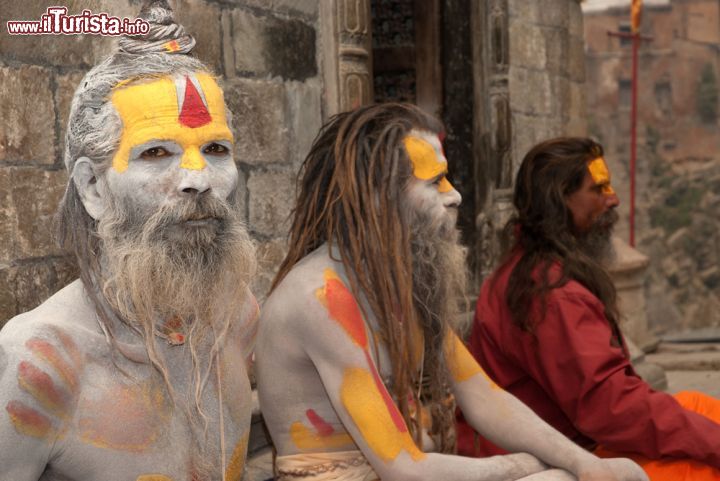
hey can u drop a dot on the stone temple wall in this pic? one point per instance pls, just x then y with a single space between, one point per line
265 52
546 76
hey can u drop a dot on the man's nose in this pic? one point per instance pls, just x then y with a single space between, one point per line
612 200
193 182
452 198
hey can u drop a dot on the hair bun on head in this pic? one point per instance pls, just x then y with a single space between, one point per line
164 35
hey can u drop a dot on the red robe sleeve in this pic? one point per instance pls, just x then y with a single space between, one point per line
592 381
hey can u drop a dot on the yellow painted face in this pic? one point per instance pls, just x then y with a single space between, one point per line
188 110
601 175
428 161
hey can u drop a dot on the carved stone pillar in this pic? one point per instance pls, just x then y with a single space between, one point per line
347 54
493 128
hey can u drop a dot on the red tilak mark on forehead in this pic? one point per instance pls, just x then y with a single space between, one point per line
322 427
193 113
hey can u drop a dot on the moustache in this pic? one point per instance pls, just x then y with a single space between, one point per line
607 220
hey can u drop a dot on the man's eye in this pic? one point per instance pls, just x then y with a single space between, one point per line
215 149
154 153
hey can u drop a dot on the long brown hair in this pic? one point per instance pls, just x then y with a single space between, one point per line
543 230
350 191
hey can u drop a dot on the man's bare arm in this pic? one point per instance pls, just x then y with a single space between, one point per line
504 420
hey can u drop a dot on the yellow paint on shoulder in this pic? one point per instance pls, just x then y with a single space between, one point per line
461 363
307 440
153 477
370 413
601 175
236 465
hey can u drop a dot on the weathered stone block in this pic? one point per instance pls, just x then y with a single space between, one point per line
528 131
527 45
259 119
575 20
66 85
271 198
27 115
32 198
525 11
308 8
576 59
269 254
26 286
304 108
532 91
60 50
557 50
201 20
272 46
554 13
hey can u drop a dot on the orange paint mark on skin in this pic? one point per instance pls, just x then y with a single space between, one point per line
236 465
41 386
461 363
48 353
153 477
368 409
309 440
321 426
28 421
125 418
389 403
343 308
601 175
69 345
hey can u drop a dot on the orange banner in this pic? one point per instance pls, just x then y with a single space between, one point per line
636 15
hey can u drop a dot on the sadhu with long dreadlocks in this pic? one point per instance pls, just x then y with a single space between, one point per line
357 357
554 298
136 371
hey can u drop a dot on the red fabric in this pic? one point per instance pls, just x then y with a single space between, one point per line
576 375
683 469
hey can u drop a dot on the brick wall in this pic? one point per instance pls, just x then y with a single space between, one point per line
266 54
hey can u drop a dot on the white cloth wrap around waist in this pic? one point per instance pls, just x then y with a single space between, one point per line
339 466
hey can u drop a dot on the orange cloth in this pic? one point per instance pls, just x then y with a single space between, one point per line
679 470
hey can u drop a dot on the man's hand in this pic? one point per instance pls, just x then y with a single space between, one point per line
613 469
626 469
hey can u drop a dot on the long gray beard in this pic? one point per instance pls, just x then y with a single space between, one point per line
439 272
597 244
159 267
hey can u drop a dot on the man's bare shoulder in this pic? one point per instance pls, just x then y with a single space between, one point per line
294 303
64 321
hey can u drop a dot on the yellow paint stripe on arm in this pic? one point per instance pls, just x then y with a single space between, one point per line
368 410
461 363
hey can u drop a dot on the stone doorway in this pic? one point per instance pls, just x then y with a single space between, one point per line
439 55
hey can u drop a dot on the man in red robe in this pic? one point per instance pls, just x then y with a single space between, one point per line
546 326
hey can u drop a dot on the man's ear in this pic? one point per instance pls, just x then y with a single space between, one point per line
89 188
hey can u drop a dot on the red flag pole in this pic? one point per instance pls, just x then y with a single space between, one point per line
636 39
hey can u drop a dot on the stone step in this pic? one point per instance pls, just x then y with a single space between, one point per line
707 382
686 361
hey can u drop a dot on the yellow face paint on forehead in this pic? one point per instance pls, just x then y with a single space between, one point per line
188 110
601 175
427 164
